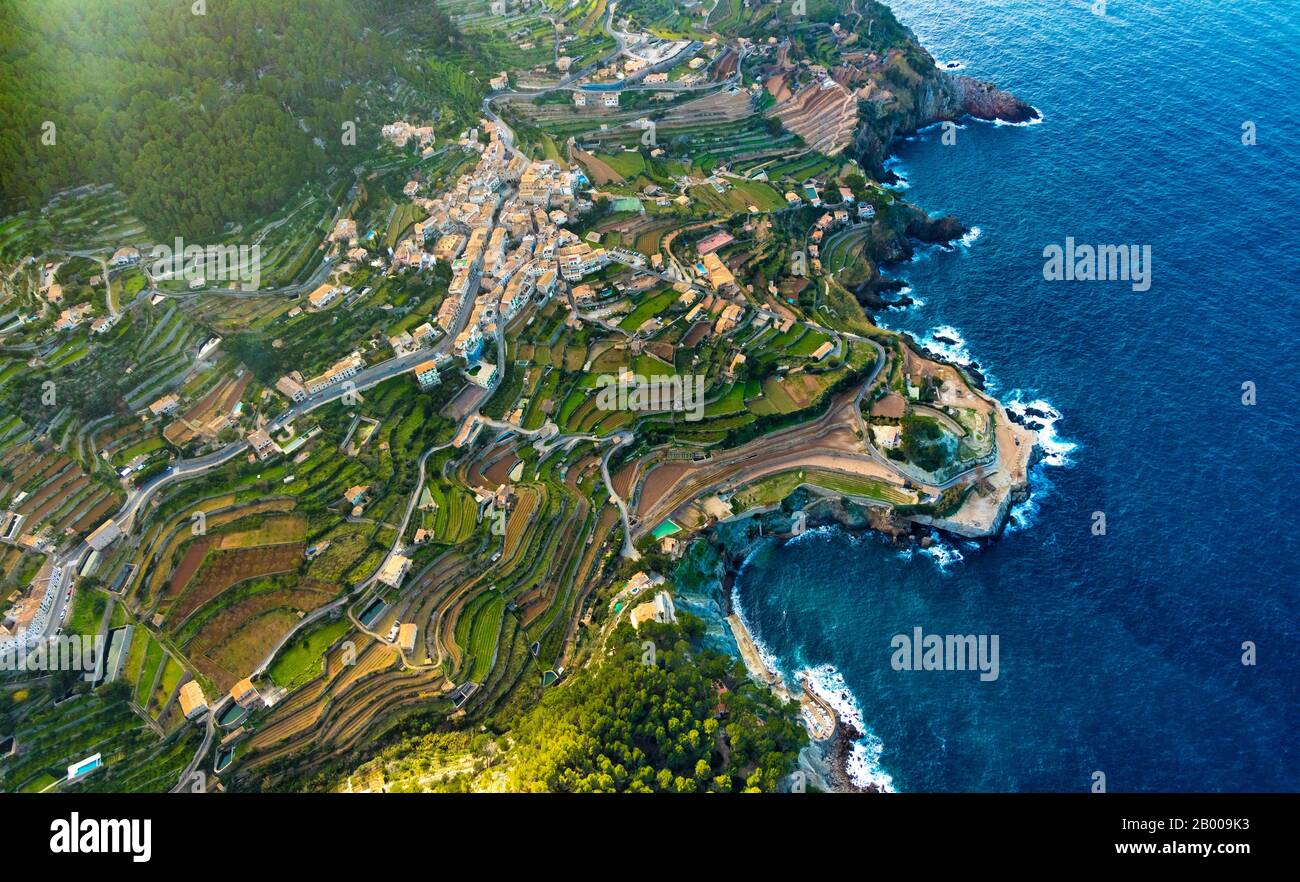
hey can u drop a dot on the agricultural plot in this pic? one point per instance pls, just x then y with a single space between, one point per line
651 305
455 516
301 659
223 569
61 495
93 217
54 736
477 630
235 639
738 197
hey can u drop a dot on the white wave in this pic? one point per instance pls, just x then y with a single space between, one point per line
895 165
1037 121
938 124
1056 453
1003 122
1024 515
864 757
1056 450
807 535
943 555
907 291
948 343
970 236
826 681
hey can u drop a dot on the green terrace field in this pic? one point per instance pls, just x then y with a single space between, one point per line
300 660
454 515
61 495
735 411
223 598
89 217
502 38
706 144
137 360
738 196
86 613
650 305
797 168
477 631
310 342
666 18
54 736
493 613
773 489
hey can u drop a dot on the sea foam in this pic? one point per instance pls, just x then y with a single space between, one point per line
864 766
971 235
948 343
1057 452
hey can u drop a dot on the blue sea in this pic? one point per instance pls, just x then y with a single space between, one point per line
1120 653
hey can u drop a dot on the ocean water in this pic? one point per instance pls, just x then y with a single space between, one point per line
1119 653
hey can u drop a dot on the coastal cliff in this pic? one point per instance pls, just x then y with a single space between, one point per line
931 96
901 90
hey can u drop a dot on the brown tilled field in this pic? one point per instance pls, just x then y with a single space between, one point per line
825 118
224 569
598 170
236 640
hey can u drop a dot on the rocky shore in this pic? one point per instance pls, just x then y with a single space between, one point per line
825 761
986 101
939 97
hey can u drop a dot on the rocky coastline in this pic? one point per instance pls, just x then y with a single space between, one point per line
941 96
825 762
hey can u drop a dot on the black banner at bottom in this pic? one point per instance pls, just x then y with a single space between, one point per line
393 830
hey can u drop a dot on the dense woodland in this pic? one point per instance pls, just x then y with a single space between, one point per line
204 120
691 721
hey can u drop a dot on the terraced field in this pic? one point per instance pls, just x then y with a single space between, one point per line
515 510
53 736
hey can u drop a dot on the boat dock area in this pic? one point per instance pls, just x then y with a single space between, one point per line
818 714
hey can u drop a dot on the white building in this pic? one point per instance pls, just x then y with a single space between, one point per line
426 374
337 373
394 570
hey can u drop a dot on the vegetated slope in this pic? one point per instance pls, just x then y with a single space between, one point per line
199 119
685 720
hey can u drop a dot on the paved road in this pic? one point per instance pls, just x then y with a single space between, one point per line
184 784
364 379
181 469
621 439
